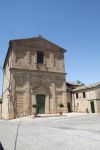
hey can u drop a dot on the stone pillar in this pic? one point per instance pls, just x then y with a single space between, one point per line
27 95
73 102
11 108
33 102
64 101
33 99
47 104
53 101
52 59
12 99
35 60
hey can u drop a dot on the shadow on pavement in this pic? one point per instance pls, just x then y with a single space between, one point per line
1 147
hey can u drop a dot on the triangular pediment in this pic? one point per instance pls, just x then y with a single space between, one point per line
37 42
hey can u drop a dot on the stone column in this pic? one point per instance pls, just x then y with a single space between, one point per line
11 109
33 102
35 60
73 102
64 101
47 104
12 99
53 101
27 95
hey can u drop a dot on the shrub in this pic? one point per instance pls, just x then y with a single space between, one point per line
61 105
34 105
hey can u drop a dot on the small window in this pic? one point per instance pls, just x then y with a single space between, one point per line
84 95
40 57
76 95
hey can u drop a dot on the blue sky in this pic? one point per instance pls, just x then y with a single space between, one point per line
72 24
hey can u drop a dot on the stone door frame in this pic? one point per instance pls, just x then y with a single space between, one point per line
41 90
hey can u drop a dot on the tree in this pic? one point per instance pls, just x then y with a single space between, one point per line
79 82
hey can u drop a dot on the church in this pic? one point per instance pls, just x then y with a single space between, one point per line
34 74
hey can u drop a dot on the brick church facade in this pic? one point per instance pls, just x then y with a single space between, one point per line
33 74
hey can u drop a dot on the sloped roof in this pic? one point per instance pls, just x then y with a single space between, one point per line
38 38
73 83
87 86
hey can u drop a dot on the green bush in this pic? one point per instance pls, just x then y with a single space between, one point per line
34 105
61 105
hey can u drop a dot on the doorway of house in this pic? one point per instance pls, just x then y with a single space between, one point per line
92 107
69 107
40 98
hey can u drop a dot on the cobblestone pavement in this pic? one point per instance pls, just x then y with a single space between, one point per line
69 132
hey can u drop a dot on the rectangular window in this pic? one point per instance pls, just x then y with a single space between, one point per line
84 95
40 57
76 95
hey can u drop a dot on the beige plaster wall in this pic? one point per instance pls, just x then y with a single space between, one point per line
82 104
98 106
97 93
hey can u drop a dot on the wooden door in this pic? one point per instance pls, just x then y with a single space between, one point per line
40 103
92 107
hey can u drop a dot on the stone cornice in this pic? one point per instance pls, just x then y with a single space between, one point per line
35 71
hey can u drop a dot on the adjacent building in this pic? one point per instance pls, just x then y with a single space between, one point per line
70 86
86 98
